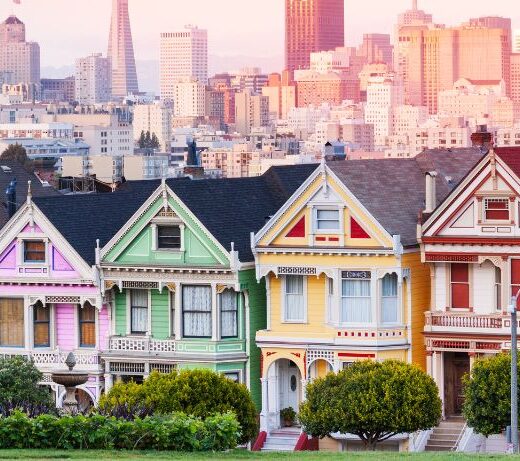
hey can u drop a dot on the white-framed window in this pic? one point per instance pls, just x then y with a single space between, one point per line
498 289
327 220
294 299
345 365
389 301
196 311
356 297
168 237
34 251
12 331
233 376
228 301
496 209
138 311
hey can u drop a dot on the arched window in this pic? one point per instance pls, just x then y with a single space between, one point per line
389 305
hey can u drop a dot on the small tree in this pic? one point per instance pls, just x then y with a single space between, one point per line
154 143
142 140
487 395
373 400
19 387
17 153
147 140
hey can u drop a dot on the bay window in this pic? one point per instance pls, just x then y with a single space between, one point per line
356 305
196 311
138 311
460 286
228 314
42 323
294 299
11 322
87 326
389 301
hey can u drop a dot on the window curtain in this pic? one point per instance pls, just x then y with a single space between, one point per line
389 310
196 309
11 322
356 301
294 298
139 308
229 314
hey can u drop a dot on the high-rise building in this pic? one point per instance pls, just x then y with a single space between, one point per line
19 59
189 98
121 52
515 82
414 16
516 41
251 111
58 89
281 92
155 118
93 79
376 48
183 54
312 25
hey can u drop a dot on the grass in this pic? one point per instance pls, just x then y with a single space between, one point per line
85 455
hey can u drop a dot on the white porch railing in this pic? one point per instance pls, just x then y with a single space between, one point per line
459 320
145 345
56 357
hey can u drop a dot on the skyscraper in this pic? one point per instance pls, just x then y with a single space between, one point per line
183 54
312 25
121 51
93 79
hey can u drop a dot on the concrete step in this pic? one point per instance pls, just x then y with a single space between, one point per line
281 441
430 448
277 449
448 431
446 440
441 443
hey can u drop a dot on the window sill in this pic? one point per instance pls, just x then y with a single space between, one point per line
295 322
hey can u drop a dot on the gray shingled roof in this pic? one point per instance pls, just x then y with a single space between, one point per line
393 190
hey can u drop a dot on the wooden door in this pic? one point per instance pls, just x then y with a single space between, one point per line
456 365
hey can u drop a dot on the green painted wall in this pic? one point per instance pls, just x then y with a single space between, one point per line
160 314
121 313
257 321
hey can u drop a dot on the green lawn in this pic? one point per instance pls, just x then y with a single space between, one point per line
237 454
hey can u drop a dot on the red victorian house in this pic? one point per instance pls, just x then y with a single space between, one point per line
472 243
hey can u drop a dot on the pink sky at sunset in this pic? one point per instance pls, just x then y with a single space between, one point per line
67 29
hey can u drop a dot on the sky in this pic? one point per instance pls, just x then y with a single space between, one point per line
67 29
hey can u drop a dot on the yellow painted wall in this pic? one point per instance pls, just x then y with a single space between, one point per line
420 294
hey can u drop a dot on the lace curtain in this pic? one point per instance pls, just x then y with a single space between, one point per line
139 311
294 298
356 301
229 314
196 311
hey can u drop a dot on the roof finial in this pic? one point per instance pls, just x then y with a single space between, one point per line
29 192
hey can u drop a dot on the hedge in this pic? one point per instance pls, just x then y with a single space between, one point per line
177 432
200 393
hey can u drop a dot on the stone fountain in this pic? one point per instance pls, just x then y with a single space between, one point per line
70 380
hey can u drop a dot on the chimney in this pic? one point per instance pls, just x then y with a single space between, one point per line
482 139
431 192
10 194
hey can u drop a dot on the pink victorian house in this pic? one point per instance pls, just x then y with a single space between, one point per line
50 299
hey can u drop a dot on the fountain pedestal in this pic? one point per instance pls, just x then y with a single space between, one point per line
70 380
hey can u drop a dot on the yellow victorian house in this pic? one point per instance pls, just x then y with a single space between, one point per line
343 272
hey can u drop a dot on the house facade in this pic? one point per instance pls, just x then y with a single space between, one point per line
343 275
50 302
471 243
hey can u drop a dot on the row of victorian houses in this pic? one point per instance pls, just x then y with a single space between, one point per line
272 281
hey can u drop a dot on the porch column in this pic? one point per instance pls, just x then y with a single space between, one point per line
304 389
264 426
429 364
109 382
438 375
472 357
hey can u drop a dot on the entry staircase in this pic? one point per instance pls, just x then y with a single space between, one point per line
284 439
446 436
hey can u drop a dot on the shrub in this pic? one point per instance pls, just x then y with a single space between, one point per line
487 395
201 393
19 387
176 432
373 400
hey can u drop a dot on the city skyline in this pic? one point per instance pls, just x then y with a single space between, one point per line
261 38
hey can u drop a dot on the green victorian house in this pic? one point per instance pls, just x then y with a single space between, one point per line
180 280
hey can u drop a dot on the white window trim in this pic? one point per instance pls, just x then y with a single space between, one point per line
129 314
21 250
305 303
52 328
498 221
373 299
155 235
399 299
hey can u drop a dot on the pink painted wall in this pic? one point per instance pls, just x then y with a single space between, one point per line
59 263
18 290
65 327
104 328
8 260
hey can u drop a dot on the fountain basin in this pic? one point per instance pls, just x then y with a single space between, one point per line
69 378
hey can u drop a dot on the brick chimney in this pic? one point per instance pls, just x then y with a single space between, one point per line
482 138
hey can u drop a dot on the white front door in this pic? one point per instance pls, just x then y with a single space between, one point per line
290 382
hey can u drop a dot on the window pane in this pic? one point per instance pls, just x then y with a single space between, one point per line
11 322
139 311
460 295
169 237
294 284
229 313
41 325
460 273
356 301
196 307
389 306
328 219
87 322
294 299
34 251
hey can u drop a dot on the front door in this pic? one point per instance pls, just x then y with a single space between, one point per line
456 365
289 385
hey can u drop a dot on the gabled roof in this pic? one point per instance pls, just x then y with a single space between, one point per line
393 190
229 208
16 170
12 20
511 157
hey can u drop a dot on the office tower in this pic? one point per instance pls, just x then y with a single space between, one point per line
155 118
251 111
93 79
312 25
183 54
121 52
516 41
189 98
19 59
414 16
376 48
